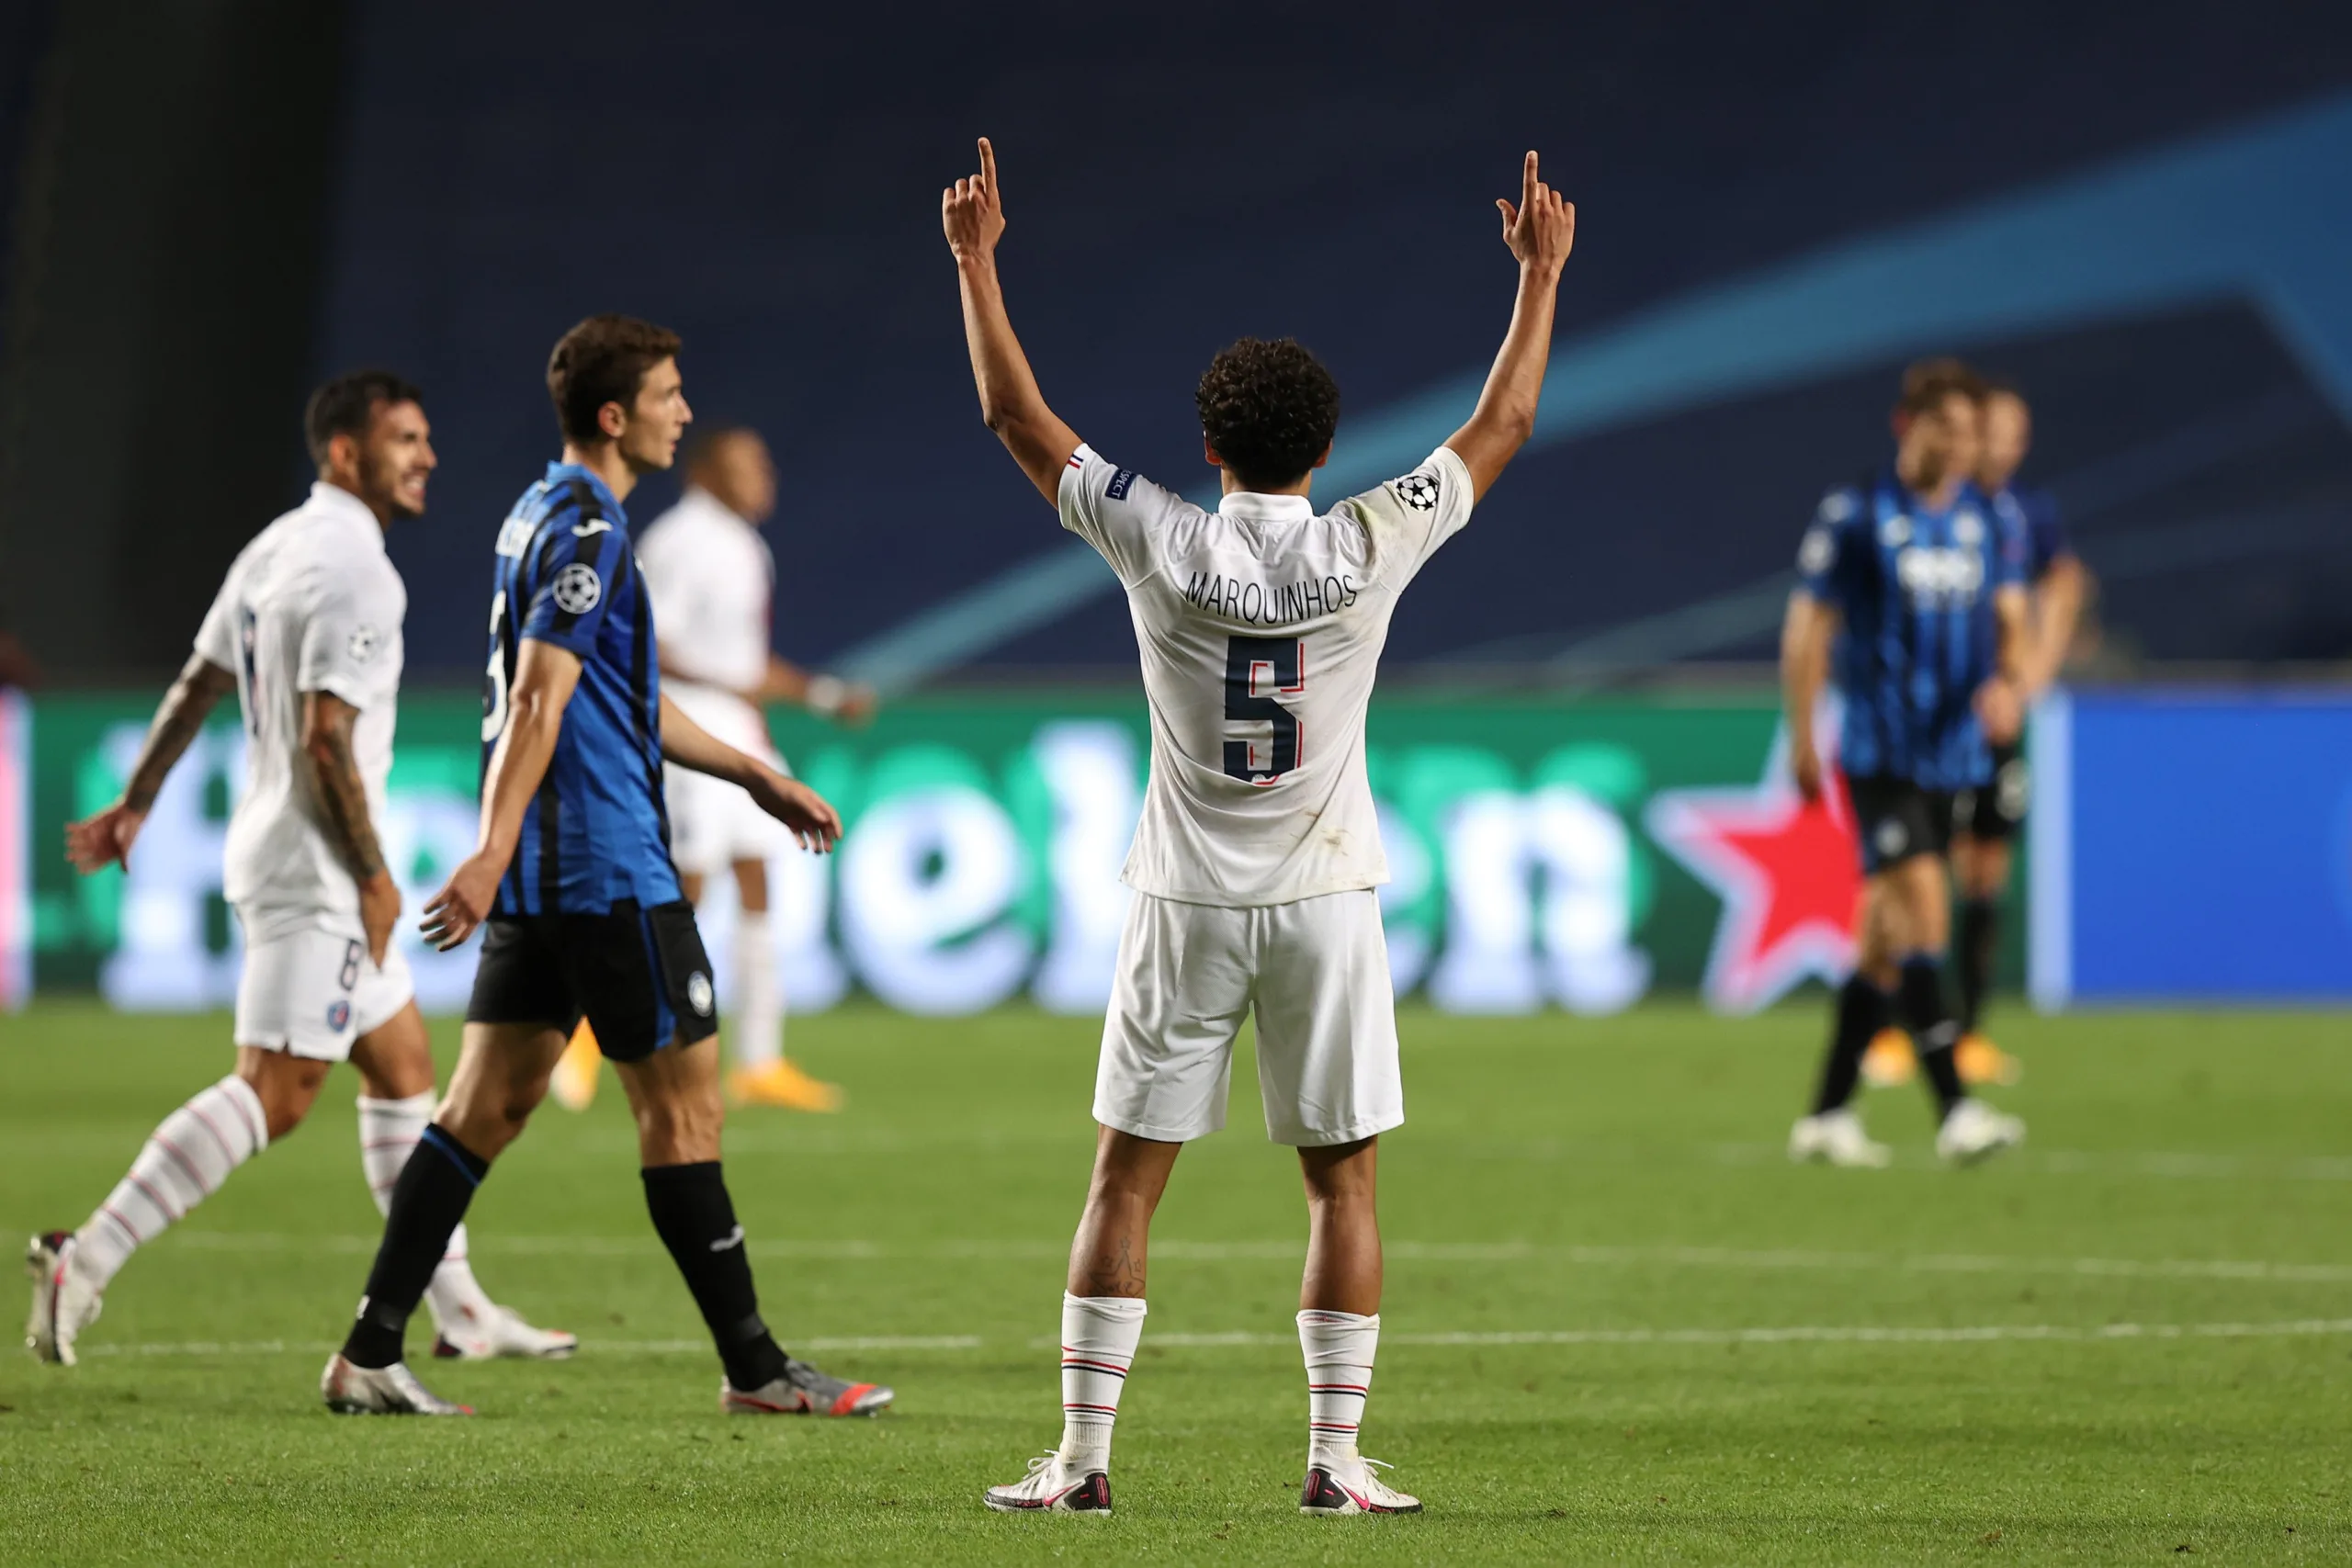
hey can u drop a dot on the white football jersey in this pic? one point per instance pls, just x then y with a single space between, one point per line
1260 626
711 576
312 605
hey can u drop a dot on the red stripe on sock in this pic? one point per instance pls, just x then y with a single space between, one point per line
186 1163
1096 1367
128 1228
157 1199
1101 1409
1338 1388
195 1110
259 1131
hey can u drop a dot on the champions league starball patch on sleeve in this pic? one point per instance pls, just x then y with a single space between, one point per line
578 588
1418 491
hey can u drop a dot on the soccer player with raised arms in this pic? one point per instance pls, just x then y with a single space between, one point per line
581 908
1260 625
1910 586
306 631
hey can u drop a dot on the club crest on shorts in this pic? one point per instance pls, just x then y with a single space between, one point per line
1418 491
698 993
338 1014
578 588
1890 838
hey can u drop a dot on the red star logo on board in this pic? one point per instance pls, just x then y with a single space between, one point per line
1787 870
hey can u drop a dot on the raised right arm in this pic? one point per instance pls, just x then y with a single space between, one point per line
971 211
1539 231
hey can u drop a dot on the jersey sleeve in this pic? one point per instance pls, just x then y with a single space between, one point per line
217 638
1118 512
1412 514
2010 560
569 577
1831 555
2047 541
350 625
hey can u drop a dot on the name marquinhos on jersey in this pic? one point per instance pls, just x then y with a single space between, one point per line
1260 604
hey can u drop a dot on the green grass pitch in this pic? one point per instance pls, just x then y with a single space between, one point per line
1619 1327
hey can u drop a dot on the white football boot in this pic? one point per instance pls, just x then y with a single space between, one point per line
64 1303
1836 1136
1050 1488
501 1332
1974 1131
1349 1486
386 1391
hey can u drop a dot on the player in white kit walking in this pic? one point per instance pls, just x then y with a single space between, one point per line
1260 626
307 629
713 582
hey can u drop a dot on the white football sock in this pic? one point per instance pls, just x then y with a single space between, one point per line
1338 1346
1099 1337
183 1163
758 1035
389 1130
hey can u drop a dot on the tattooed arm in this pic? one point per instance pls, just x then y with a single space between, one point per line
105 839
335 784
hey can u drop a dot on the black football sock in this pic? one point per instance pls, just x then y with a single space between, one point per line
696 1219
1860 1013
1934 1031
428 1201
1979 942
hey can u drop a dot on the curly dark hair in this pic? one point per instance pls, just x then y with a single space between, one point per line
1268 409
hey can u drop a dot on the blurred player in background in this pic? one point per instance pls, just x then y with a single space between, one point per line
712 578
1987 817
1254 868
307 630
1912 581
573 881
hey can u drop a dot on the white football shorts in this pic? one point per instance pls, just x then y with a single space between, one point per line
713 823
312 992
1315 974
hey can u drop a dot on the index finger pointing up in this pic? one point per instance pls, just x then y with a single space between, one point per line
1527 183
988 163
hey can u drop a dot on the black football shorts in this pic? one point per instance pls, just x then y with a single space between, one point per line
639 975
1995 809
1896 819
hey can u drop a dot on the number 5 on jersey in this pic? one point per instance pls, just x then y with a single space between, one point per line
1258 671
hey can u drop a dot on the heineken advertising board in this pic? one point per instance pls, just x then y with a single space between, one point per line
1544 852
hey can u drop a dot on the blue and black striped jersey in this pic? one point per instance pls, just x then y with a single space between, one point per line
597 830
1914 587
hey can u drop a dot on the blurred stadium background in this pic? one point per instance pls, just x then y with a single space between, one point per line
2133 1326
207 207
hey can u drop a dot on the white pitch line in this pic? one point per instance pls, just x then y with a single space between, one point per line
1293 1252
1797 1334
593 1347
